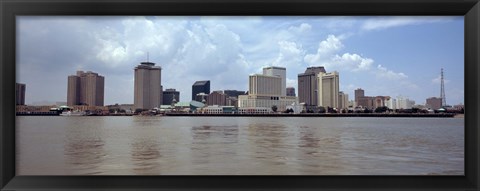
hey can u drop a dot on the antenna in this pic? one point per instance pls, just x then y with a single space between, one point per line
442 89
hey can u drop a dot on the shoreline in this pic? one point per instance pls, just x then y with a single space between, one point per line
412 115
440 115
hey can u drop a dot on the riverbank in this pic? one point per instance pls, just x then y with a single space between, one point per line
428 115
315 115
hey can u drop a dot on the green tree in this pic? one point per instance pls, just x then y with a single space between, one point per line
274 108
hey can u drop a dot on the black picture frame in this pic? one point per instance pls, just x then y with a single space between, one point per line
470 9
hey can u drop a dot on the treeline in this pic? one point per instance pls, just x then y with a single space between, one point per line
383 109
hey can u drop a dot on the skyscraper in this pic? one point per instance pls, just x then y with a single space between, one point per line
307 85
85 88
264 91
200 87
148 86
359 93
280 72
217 98
265 85
20 94
342 100
169 95
328 88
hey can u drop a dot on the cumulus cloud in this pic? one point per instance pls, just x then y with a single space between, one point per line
384 73
290 54
224 50
327 55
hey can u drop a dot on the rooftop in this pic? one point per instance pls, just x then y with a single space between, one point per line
275 67
314 70
201 83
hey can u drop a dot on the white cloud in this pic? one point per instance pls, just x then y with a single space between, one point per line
224 50
353 62
378 23
304 27
327 56
290 55
384 73
438 79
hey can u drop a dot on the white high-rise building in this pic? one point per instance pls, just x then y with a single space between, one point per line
148 86
328 89
265 91
392 103
404 103
280 72
264 85
342 100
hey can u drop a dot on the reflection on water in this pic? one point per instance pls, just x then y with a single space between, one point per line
145 155
85 155
84 150
53 145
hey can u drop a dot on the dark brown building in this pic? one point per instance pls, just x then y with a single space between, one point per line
434 103
20 94
217 98
85 88
307 85
359 93
291 91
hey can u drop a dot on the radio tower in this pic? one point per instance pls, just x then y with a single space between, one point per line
442 90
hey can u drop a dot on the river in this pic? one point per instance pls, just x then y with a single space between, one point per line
136 145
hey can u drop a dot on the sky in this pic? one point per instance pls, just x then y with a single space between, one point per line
388 56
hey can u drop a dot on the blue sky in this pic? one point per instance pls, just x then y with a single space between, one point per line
389 56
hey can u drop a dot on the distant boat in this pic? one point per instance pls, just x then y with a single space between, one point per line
73 113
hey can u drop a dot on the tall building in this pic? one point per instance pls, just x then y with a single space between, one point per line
434 103
291 91
328 88
85 88
265 91
342 100
392 103
168 96
148 86
20 93
217 98
307 85
404 103
359 93
265 85
280 72
200 87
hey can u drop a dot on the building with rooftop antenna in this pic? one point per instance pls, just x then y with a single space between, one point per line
147 86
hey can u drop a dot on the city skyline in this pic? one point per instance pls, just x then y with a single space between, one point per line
389 56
